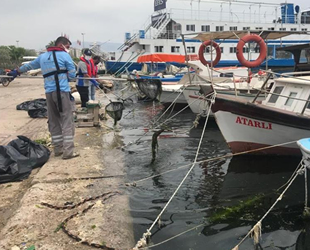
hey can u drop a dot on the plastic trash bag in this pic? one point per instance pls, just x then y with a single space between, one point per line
38 113
34 104
36 153
13 165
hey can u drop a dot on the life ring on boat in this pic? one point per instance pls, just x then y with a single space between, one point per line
202 50
262 53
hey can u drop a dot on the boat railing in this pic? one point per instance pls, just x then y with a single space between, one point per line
253 16
296 73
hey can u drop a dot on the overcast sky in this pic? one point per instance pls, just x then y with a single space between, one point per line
36 22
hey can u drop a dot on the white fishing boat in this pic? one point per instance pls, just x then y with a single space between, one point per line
162 32
281 119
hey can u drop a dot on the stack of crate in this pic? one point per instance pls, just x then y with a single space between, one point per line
88 117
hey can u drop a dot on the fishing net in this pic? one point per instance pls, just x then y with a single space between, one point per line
115 110
150 87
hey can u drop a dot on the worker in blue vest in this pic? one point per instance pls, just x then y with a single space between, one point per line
57 69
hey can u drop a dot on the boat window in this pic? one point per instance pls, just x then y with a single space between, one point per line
283 54
308 104
175 49
271 28
293 29
205 28
227 74
289 100
277 91
246 28
190 27
270 51
283 29
259 28
304 29
232 50
305 56
233 28
219 28
190 49
222 49
159 48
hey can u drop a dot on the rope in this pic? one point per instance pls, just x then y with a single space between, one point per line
211 159
136 141
175 236
143 240
258 224
306 188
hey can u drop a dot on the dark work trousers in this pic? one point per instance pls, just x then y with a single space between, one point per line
61 124
83 91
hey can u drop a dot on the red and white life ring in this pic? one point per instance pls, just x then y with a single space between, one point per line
202 50
262 54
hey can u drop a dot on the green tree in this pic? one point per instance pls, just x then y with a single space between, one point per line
30 52
5 58
16 53
50 44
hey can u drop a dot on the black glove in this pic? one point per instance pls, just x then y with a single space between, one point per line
14 73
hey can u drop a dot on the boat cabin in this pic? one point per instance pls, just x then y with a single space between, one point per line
291 91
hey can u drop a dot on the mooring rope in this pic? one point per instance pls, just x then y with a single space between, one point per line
143 241
211 159
136 141
173 237
306 187
258 224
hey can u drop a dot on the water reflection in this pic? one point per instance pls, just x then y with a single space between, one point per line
246 185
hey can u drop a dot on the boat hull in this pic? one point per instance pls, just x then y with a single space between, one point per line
249 127
171 94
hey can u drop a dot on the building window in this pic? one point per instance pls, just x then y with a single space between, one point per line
245 49
259 28
207 50
205 28
233 28
232 50
272 28
277 91
304 29
159 48
246 28
282 29
293 29
190 49
190 27
219 28
175 49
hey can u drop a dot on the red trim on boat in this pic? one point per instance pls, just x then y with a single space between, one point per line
237 147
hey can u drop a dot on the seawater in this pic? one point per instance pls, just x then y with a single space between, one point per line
228 195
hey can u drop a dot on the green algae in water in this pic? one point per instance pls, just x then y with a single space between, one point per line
243 208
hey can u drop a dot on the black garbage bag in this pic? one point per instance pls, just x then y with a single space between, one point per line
152 88
36 153
38 113
34 104
13 165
